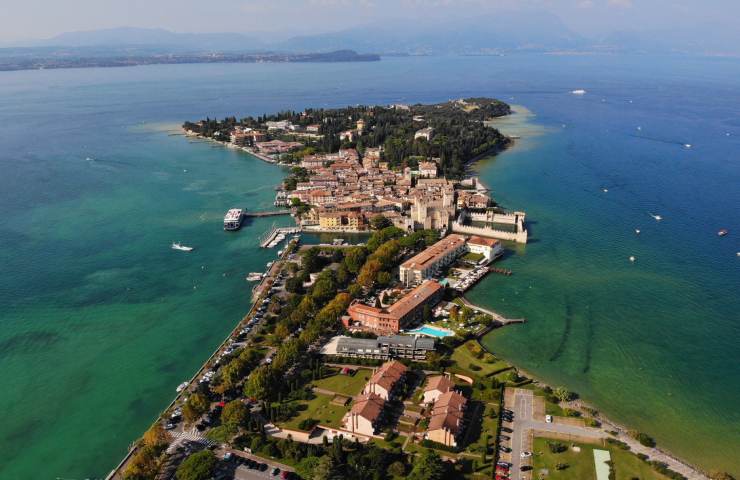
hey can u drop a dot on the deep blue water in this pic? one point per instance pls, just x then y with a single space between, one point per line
101 320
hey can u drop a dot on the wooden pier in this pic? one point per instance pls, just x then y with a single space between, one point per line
496 317
273 213
501 271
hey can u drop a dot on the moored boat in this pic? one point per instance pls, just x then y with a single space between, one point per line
233 219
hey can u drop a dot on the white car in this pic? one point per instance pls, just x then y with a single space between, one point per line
526 454
548 418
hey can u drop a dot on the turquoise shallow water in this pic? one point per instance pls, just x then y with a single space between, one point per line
101 319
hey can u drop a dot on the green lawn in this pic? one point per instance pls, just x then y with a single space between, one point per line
321 409
473 257
463 358
581 464
344 384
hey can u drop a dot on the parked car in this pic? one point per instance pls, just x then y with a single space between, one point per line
548 418
275 471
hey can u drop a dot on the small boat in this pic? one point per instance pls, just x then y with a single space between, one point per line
254 276
578 91
637 231
632 258
182 387
687 145
722 232
181 247
604 190
656 217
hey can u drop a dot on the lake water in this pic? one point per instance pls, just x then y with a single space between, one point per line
101 320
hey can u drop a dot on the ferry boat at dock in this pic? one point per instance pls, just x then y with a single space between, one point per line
233 219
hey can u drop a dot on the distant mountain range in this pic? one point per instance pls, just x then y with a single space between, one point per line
504 32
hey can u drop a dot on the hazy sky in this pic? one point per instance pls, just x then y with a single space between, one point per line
29 19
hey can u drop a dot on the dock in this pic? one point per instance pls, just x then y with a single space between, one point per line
496 316
268 240
273 213
500 271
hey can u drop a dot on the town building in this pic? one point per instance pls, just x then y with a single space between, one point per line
428 169
382 348
347 221
365 414
447 419
428 263
436 386
490 248
385 379
278 125
425 133
405 311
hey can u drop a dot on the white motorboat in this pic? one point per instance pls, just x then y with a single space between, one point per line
181 247
578 91
182 387
656 217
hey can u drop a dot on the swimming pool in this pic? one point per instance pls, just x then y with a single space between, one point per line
431 331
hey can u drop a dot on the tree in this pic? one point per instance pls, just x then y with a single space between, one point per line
307 466
196 405
198 466
384 278
354 258
294 285
324 469
258 383
718 475
235 414
397 469
369 273
429 466
155 436
563 395
144 464
281 331
379 222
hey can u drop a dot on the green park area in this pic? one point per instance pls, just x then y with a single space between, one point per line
471 357
321 409
349 385
562 460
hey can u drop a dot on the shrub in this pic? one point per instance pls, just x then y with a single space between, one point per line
644 439
617 443
307 424
556 447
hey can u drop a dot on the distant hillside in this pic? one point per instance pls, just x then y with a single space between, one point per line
149 37
507 31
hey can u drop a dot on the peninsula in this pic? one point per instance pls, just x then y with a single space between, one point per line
363 361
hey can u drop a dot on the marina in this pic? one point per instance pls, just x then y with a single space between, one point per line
276 235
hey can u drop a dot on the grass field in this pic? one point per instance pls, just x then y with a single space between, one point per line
463 357
344 384
581 464
321 409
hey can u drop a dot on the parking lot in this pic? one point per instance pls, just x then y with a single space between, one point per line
520 425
